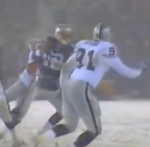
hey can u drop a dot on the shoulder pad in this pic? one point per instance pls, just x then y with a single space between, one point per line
78 44
66 49
108 49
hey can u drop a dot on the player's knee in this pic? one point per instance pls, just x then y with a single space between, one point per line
55 118
13 124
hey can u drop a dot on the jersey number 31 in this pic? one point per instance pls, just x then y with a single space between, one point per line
80 55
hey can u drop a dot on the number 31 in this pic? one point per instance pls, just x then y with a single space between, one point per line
80 55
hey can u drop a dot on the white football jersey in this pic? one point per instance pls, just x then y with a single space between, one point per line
94 58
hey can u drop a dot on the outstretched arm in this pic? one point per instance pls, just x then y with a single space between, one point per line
121 68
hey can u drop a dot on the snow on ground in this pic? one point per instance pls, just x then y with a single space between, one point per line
125 124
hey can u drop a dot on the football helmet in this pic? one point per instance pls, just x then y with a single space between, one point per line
63 33
101 32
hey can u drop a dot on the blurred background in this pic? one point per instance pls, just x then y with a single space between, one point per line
21 20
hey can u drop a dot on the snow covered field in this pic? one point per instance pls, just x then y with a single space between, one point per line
125 124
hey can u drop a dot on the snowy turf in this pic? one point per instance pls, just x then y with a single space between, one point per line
125 124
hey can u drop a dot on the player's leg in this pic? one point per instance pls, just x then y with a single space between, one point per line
24 104
70 117
55 98
16 90
6 117
5 110
22 87
4 107
89 111
86 108
51 92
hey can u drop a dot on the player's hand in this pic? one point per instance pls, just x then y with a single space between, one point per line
33 42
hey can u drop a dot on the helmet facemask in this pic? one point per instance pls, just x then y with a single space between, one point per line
106 34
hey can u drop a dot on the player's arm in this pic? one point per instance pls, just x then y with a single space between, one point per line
69 65
35 60
31 68
32 44
67 68
113 61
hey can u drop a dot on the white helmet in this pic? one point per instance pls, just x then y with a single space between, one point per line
101 32
63 33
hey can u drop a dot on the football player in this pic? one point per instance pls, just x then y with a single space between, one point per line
19 91
47 82
85 69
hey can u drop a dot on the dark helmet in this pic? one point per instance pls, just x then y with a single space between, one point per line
63 33
51 43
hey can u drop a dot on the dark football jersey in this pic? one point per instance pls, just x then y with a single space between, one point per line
50 73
